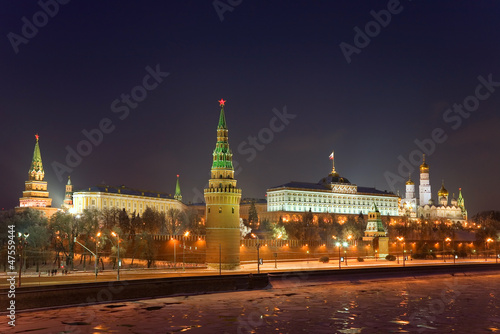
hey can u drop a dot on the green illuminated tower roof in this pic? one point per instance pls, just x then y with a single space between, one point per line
222 118
36 171
178 195
222 156
461 201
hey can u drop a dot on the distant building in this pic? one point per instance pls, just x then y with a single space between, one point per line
260 207
453 210
132 200
375 235
68 195
333 194
35 194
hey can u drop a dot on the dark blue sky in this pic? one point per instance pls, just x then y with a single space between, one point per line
261 56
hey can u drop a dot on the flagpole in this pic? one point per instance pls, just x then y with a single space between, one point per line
333 163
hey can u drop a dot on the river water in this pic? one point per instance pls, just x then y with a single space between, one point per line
464 303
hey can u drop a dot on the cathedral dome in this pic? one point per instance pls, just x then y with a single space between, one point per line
443 192
424 167
410 183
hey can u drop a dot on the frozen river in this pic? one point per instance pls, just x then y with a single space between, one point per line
439 304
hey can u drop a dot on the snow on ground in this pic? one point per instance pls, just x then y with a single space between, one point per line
439 304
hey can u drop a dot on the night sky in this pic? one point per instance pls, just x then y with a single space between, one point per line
71 75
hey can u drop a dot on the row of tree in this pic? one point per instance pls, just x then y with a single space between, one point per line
53 242
485 226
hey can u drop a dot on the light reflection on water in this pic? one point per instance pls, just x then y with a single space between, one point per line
468 304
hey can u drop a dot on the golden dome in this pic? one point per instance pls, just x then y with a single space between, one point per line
442 192
424 168
409 182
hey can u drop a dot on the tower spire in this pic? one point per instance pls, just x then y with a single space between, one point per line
178 195
222 156
68 197
36 171
222 117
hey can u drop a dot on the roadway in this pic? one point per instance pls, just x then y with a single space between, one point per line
34 279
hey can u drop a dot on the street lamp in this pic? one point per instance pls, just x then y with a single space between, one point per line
276 254
486 242
23 237
95 255
339 244
345 244
184 250
401 239
118 242
447 240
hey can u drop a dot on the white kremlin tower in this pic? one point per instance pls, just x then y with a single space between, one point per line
425 186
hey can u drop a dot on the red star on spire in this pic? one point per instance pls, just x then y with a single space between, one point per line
221 102
37 136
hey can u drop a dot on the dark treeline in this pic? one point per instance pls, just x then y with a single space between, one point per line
52 241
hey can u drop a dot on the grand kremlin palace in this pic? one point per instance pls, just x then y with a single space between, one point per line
332 194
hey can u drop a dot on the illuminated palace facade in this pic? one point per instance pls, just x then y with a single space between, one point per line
131 200
331 195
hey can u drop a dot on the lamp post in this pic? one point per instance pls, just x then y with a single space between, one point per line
184 250
338 244
401 239
447 240
118 242
276 254
95 256
258 253
346 245
258 257
175 255
23 237
486 242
